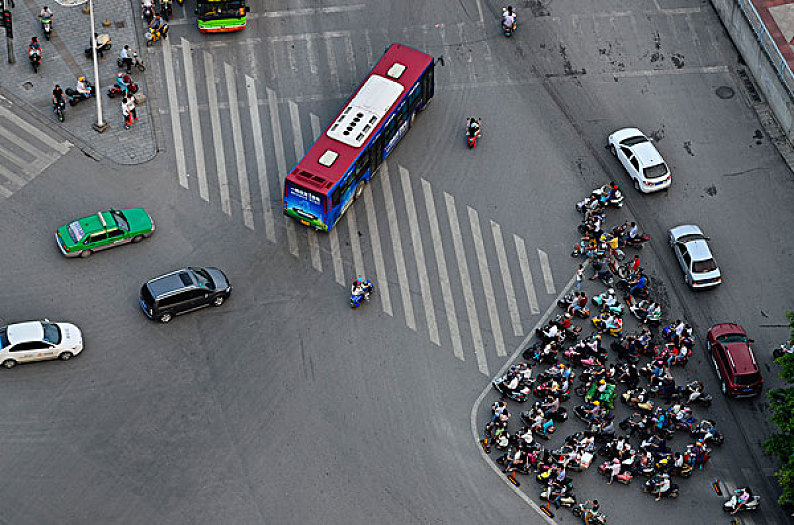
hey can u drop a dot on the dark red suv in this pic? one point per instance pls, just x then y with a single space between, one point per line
734 360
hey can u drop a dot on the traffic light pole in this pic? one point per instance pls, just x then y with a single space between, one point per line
9 33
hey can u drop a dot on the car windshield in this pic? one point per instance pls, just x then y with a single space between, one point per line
76 231
709 265
3 337
633 141
689 237
732 338
121 221
52 334
748 379
204 279
656 172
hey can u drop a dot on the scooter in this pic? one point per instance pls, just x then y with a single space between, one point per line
783 350
566 301
602 194
520 394
102 44
136 62
76 98
357 299
509 29
601 325
624 477
636 242
147 13
652 487
166 10
58 109
121 88
616 308
471 140
153 35
46 27
707 432
751 504
34 55
566 499
594 518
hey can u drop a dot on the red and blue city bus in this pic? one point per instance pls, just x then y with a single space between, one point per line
343 159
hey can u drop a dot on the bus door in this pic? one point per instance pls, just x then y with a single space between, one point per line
376 153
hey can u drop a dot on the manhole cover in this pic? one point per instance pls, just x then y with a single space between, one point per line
28 85
725 92
121 24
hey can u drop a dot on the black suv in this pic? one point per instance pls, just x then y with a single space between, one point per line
183 291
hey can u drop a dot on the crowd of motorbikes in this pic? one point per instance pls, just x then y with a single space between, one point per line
575 364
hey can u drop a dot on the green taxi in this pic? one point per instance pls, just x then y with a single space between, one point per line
103 230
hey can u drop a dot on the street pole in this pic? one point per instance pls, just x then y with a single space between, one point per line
9 34
100 125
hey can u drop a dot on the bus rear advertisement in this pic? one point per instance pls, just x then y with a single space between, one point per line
344 158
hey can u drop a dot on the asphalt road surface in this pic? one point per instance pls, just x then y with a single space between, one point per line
283 405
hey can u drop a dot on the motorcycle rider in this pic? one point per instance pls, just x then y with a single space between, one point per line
363 287
589 512
57 97
634 232
638 285
472 127
509 18
46 13
34 46
158 24
127 55
82 88
664 487
743 498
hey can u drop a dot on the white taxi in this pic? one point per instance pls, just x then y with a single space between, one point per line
38 341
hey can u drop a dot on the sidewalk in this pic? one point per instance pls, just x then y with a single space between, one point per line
778 17
64 60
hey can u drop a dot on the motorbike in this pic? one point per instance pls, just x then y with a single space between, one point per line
751 504
121 88
46 27
602 193
593 517
666 465
630 242
519 394
783 350
616 308
624 477
706 431
508 29
638 309
471 140
614 328
567 499
357 299
583 248
545 390
537 353
166 10
152 35
567 300
136 62
102 44
638 398
652 487
34 55
147 13
76 98
571 333
58 109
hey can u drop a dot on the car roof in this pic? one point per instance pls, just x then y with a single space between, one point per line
647 154
721 329
92 223
699 250
740 353
685 229
172 282
21 332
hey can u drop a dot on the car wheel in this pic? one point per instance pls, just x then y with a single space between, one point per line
218 300
613 150
723 388
137 238
65 356
165 318
9 363
637 185
86 253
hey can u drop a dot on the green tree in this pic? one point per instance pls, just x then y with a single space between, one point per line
781 444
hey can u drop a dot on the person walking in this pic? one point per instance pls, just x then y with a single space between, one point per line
579 277
125 112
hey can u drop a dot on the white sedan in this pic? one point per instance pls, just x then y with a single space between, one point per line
641 159
692 250
38 341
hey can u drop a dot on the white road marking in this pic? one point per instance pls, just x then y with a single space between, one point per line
377 253
281 164
507 280
314 241
467 56
25 144
419 255
397 247
523 261
27 167
350 57
325 35
195 119
333 70
479 10
5 192
297 133
261 165
217 139
285 13
336 257
355 244
659 72
443 275
11 176
311 55
487 285
60 147
465 281
546 267
176 126
368 49
237 138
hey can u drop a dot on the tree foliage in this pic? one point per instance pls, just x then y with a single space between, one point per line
781 444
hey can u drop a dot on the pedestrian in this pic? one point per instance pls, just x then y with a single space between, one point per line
131 107
126 57
125 112
579 277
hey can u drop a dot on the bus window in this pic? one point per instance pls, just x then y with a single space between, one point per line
413 97
362 165
427 84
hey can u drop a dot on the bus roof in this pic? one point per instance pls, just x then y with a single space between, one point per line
336 149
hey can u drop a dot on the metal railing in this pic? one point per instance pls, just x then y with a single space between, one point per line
767 43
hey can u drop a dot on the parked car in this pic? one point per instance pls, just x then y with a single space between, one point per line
734 360
104 230
183 291
38 341
641 159
692 250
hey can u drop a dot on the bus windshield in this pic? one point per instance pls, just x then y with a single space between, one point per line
306 205
220 10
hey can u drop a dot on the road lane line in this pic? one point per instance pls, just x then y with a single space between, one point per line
487 285
281 164
261 164
397 247
173 109
476 408
336 257
465 281
546 267
217 138
377 253
5 192
297 133
368 48
355 243
195 120
237 138
529 286
311 55
507 280
419 255
314 241
333 71
350 56
443 275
